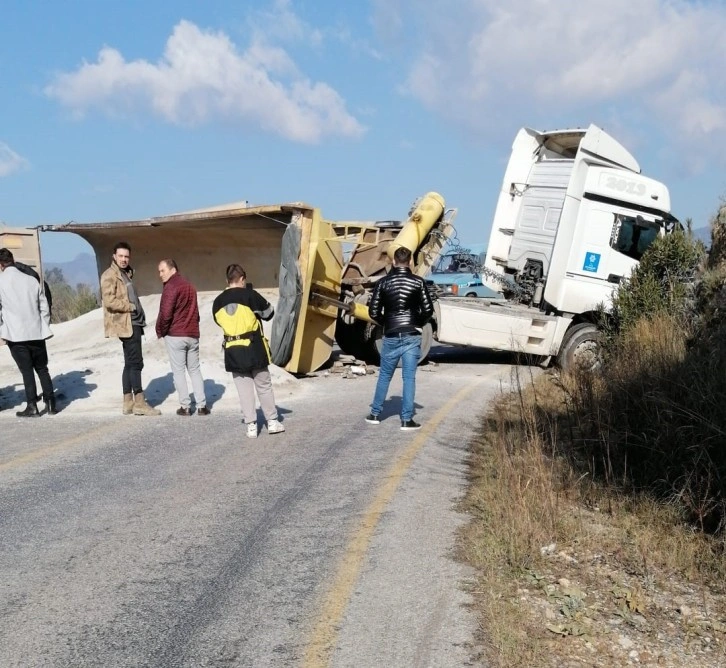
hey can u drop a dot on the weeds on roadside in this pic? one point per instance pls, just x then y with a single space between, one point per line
642 442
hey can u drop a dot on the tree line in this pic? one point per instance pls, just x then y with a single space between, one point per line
68 301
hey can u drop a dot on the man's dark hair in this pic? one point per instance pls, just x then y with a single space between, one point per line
235 272
402 255
6 257
121 244
171 264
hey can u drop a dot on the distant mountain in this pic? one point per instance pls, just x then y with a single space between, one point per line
82 269
703 234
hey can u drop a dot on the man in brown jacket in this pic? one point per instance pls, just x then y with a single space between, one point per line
124 317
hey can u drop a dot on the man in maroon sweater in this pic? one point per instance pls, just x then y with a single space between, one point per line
178 325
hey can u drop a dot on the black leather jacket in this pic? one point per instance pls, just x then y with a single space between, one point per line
401 302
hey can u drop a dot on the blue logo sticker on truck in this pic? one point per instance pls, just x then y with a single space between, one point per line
592 262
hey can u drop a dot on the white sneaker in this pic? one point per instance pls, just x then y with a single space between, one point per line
275 427
251 430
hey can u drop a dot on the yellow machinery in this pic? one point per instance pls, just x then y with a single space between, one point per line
335 294
425 214
320 264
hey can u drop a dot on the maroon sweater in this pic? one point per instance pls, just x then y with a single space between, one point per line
178 309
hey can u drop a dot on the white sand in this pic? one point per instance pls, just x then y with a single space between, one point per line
86 367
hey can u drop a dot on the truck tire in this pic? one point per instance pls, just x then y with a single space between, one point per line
427 339
287 311
581 348
350 337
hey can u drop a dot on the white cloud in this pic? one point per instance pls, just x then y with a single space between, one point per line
10 161
203 77
281 22
532 61
388 19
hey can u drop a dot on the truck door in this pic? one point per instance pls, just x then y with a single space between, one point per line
593 266
612 242
606 249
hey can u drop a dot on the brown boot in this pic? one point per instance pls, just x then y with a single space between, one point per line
128 408
142 408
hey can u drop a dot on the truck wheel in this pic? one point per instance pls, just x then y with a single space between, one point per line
470 294
581 348
427 339
350 337
287 310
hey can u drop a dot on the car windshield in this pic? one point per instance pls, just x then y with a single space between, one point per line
464 260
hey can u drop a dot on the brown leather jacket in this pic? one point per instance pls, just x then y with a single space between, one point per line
117 307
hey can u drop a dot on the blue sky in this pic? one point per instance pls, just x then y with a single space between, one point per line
119 110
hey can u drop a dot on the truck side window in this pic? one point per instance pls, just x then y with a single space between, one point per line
633 235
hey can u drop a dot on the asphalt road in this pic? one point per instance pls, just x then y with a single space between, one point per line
169 541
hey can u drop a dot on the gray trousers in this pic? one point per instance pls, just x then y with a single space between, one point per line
246 384
184 356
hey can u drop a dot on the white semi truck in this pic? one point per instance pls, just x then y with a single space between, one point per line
573 217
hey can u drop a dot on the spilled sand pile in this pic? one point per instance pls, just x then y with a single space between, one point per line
86 367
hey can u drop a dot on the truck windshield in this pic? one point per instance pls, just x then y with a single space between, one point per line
633 234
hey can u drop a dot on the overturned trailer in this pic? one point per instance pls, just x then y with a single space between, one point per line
24 244
324 269
203 242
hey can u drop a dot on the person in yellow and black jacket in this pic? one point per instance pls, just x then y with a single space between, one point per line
238 311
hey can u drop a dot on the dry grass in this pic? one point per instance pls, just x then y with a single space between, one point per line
598 502
541 518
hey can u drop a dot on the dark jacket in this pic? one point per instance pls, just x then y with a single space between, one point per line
401 302
238 311
27 269
178 309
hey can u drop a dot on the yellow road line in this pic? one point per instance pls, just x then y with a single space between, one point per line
35 455
320 647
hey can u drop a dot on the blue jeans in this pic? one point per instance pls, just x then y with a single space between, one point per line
406 348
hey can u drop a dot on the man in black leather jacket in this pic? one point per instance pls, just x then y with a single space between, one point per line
401 303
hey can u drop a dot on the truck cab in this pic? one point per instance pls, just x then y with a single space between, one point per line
573 217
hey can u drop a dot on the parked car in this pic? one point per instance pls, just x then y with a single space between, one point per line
457 266
473 288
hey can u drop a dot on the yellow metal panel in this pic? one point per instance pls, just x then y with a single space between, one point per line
321 265
360 312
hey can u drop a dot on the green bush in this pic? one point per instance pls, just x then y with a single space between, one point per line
653 421
663 282
69 302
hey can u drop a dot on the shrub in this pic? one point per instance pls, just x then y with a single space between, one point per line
663 282
69 302
654 420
